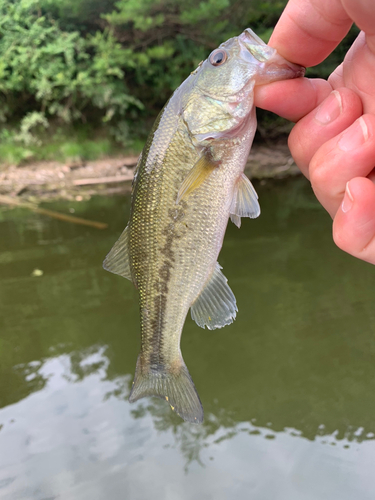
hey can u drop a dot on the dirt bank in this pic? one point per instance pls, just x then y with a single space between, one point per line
52 180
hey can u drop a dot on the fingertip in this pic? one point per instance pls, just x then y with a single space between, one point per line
354 223
307 32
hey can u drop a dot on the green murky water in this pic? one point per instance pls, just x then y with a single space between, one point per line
288 389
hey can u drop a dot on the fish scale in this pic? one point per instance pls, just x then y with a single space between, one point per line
188 183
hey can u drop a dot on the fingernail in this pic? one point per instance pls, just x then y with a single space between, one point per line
330 108
354 136
347 202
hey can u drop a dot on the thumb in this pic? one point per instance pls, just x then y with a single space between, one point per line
362 13
354 223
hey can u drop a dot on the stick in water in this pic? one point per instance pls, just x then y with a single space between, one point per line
7 200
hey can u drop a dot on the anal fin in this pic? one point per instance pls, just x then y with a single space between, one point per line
216 305
245 201
117 261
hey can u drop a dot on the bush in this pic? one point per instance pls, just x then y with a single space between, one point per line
114 63
48 73
166 39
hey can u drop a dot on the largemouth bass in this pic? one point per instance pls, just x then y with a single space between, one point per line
188 182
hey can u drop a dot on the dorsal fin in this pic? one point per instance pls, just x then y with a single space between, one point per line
216 305
245 201
117 261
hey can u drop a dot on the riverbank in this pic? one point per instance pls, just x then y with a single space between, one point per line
47 181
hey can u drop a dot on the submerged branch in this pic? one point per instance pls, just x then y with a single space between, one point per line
7 200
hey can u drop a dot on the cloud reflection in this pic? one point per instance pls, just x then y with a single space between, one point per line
78 436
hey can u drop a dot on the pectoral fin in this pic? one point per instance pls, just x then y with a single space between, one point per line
245 201
117 261
216 306
197 175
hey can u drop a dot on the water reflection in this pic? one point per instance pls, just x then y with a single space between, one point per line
287 389
78 438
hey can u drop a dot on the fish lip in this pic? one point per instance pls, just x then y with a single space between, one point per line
269 57
290 70
249 36
299 72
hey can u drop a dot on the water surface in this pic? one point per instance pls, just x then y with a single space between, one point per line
288 389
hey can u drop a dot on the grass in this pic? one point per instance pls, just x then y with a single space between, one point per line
64 145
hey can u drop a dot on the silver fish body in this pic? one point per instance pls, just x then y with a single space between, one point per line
188 182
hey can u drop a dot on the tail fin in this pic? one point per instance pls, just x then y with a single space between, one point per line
175 386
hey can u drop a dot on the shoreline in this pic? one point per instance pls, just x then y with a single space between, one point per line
51 181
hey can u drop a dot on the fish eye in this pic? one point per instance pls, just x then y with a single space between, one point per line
218 57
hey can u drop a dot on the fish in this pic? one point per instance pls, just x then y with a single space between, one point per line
188 182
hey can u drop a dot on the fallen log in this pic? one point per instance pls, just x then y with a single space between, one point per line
103 180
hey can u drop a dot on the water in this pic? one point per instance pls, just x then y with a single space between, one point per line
288 389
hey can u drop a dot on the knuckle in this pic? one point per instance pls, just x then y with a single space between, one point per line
297 148
339 237
320 175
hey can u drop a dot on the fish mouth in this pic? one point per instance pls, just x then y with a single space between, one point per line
275 67
279 68
252 38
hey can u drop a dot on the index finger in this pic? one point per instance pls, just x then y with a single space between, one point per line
309 30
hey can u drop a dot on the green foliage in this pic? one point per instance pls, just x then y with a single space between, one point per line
29 123
70 143
79 15
53 73
11 151
113 63
166 39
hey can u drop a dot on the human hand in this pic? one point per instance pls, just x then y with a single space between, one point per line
333 142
